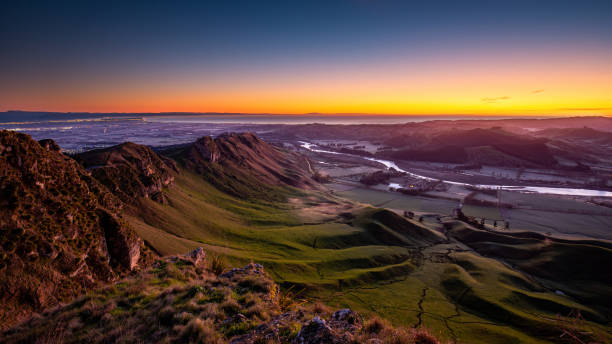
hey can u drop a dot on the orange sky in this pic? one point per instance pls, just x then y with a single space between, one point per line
511 87
499 82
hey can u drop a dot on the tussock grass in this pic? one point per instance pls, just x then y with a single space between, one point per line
217 264
194 308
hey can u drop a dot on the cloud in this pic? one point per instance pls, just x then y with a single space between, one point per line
494 99
537 91
585 109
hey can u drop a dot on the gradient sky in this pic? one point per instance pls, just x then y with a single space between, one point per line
377 56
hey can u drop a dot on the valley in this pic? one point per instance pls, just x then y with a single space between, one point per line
373 263
530 273
353 265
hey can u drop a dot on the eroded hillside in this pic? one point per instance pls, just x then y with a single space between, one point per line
245 166
130 171
62 230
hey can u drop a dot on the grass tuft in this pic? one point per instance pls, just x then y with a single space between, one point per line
217 264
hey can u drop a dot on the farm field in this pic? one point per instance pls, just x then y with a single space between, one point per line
541 213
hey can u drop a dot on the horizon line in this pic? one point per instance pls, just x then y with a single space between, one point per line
309 114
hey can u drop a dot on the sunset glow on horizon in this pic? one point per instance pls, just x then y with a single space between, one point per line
381 58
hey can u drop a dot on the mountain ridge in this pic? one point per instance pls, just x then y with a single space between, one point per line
243 165
62 231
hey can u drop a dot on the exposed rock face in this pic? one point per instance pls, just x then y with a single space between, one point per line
60 232
198 256
206 149
50 145
251 269
123 245
244 165
314 332
130 170
340 328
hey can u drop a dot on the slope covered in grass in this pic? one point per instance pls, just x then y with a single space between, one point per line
371 260
248 201
571 266
245 166
180 300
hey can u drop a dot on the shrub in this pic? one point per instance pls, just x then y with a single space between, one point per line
183 318
321 177
173 272
230 306
288 299
55 336
422 336
237 329
378 177
211 310
212 296
256 284
200 331
217 264
257 310
166 315
375 325
382 330
290 331
321 308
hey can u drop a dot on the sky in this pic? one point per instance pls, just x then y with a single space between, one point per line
355 56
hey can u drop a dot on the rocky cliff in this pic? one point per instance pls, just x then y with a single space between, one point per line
244 165
130 170
61 230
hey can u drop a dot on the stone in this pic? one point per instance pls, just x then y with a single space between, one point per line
314 332
198 256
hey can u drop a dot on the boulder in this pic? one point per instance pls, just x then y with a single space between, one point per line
197 256
315 331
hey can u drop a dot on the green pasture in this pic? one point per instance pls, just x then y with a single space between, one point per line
365 258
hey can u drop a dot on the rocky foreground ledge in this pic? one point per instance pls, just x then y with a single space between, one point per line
181 299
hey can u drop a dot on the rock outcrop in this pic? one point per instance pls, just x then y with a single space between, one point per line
130 170
244 165
205 148
197 256
60 229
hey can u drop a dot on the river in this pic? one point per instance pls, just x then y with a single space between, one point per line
537 189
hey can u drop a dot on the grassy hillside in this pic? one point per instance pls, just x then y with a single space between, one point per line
246 201
492 146
181 300
571 266
351 255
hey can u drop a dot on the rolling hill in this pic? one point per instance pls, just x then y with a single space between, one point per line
465 146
